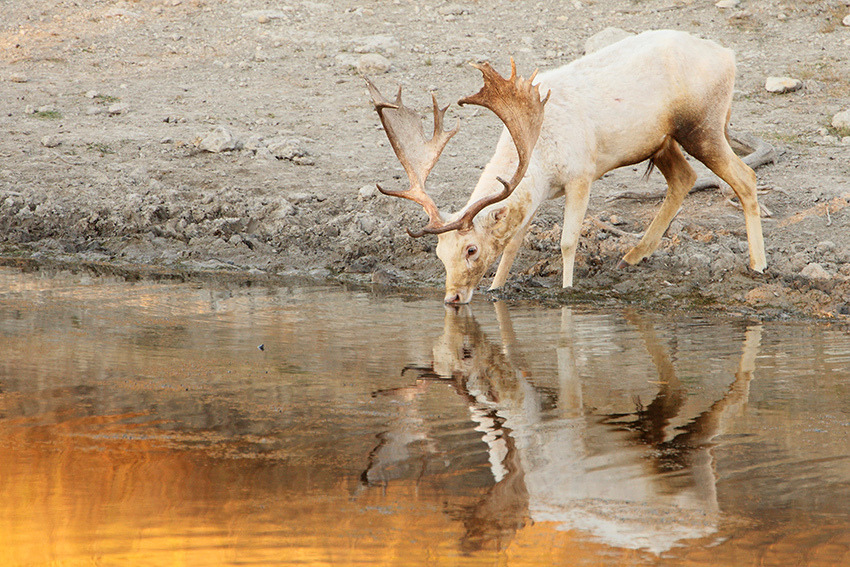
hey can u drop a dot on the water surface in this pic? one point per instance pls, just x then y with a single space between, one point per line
141 423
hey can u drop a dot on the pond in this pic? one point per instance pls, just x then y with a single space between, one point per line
224 424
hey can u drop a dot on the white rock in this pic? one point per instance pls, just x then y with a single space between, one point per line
372 64
219 140
605 38
816 272
841 120
50 141
367 192
376 44
781 85
118 108
727 3
846 20
17 78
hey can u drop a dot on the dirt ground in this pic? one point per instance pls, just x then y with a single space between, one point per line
107 110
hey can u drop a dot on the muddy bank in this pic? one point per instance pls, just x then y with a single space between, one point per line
192 138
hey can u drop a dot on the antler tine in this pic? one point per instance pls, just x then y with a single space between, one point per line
516 101
417 155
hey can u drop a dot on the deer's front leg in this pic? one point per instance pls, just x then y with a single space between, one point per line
508 257
577 194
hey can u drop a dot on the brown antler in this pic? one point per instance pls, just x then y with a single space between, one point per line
517 103
416 154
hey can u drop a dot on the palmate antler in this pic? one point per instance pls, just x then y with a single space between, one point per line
418 156
514 100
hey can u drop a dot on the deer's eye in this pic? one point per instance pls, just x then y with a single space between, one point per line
471 251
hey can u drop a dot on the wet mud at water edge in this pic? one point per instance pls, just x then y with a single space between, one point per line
141 423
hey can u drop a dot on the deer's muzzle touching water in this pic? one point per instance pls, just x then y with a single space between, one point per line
645 97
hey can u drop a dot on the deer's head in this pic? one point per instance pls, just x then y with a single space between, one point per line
467 246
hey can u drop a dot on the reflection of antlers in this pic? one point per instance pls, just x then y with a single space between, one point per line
514 100
417 155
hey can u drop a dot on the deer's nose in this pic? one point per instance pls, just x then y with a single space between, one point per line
459 297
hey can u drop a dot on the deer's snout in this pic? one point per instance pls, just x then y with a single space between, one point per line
458 297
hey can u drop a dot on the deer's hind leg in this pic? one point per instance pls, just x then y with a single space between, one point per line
716 153
680 177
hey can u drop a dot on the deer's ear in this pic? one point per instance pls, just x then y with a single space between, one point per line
497 215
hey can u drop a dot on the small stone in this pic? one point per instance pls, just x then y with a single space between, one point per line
825 246
92 94
290 150
50 141
727 3
846 20
386 44
263 19
94 110
219 140
780 85
816 272
841 120
373 64
29 109
16 78
452 10
367 192
117 108
606 37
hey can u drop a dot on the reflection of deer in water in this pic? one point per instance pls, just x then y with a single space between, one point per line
616 477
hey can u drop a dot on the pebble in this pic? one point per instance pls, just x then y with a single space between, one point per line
727 3
16 78
50 141
291 150
781 85
367 192
846 20
816 272
373 64
219 140
117 108
606 37
376 44
842 120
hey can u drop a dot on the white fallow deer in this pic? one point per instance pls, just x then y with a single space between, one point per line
645 97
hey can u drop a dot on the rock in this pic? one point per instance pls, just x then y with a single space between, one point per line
816 272
219 140
17 78
825 246
264 16
367 223
50 141
118 108
373 64
367 192
846 20
605 38
376 44
841 121
727 3
452 10
290 150
782 85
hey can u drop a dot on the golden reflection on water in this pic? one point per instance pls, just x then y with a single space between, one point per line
140 425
